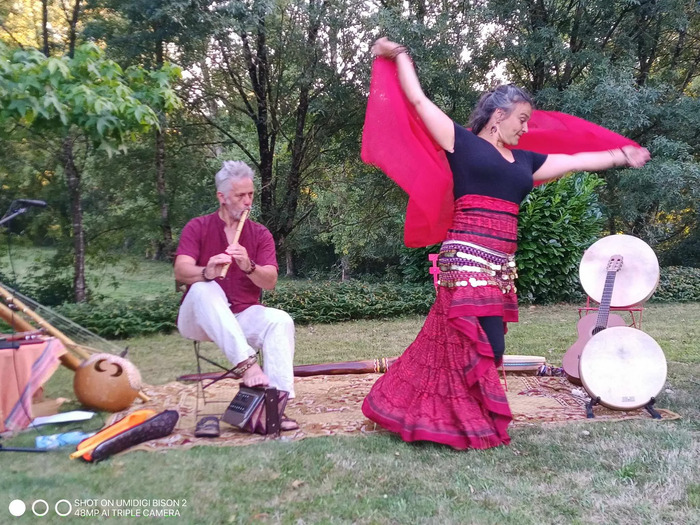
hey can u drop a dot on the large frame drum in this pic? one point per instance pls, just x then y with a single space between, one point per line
634 283
622 368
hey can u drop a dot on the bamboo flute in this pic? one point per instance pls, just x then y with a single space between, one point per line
237 235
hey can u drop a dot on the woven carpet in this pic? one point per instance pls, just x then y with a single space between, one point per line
330 405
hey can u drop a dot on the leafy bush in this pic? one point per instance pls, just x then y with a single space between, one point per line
49 288
306 302
558 221
329 302
119 319
415 265
678 284
320 302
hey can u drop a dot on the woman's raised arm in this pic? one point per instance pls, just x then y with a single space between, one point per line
558 165
439 125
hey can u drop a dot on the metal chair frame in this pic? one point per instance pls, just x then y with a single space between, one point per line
632 310
205 382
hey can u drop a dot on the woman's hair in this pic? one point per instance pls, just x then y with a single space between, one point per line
232 171
504 97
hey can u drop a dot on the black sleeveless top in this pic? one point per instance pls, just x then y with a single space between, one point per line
479 169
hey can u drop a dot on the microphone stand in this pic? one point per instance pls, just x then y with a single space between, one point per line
21 449
8 218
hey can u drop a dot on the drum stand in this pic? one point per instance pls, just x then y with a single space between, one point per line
649 408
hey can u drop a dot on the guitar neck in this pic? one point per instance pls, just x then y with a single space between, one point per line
604 307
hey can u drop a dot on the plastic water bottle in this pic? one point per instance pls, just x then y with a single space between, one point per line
59 440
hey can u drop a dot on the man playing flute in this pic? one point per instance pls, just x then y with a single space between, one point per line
225 276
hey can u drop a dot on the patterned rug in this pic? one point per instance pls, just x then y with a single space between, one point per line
330 405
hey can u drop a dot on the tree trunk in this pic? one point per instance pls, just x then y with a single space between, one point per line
73 29
165 245
74 190
345 268
300 136
538 20
289 261
45 26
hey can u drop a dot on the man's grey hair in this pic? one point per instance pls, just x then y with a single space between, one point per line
232 171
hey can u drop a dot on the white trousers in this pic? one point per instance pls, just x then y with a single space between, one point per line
205 316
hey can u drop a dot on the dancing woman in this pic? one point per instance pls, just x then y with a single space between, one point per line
445 387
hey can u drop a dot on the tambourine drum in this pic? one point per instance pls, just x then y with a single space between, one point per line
523 364
636 280
622 366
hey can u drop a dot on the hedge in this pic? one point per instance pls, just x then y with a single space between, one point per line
319 302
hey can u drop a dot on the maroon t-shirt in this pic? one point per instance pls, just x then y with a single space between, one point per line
204 237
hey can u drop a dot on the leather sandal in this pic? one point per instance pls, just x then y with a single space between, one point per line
208 426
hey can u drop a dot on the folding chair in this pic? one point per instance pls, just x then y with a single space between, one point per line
206 379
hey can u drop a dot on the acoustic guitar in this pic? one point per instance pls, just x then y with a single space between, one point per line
589 325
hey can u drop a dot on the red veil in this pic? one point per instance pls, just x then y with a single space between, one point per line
395 140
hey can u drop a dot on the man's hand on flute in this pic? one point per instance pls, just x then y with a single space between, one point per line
239 254
215 266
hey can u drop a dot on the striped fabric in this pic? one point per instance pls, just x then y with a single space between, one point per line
41 369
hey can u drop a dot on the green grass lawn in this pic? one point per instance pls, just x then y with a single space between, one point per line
625 472
130 277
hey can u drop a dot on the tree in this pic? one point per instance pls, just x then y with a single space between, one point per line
140 32
630 66
275 85
82 101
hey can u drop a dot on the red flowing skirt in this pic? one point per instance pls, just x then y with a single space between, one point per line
445 387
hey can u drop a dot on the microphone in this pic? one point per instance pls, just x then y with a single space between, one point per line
31 202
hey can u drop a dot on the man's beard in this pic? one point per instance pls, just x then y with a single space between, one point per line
237 214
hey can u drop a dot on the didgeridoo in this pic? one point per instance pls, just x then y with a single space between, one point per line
236 236
372 366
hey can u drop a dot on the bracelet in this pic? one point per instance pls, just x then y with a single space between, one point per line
252 267
204 275
627 158
628 162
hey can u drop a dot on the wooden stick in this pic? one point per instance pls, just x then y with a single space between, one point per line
51 330
17 322
236 236
9 298
14 319
373 366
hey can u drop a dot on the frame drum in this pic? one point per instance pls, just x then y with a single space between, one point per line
636 280
622 366
523 364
